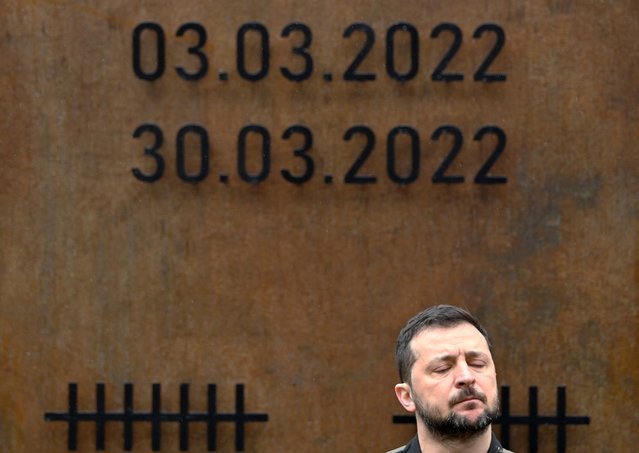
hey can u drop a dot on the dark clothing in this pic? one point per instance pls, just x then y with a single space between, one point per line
413 447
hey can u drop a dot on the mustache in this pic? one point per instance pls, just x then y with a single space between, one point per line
465 393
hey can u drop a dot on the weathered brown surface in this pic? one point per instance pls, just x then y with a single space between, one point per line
299 292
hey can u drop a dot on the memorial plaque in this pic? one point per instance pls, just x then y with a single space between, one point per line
216 217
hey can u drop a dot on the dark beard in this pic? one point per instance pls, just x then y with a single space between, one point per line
455 427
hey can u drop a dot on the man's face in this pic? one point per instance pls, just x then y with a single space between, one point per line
453 381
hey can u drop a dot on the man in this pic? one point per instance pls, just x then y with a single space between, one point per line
448 380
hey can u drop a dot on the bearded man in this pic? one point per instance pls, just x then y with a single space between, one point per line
448 380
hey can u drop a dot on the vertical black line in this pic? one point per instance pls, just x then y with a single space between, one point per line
239 417
99 417
561 419
211 424
72 441
533 420
184 412
505 416
128 417
155 418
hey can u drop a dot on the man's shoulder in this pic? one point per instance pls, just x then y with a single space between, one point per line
410 447
397 450
413 447
403 448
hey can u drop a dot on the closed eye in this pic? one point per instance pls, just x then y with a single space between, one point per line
477 359
477 364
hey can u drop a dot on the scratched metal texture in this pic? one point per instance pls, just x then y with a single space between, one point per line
299 292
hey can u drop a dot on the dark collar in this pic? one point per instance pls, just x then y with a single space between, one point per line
495 446
413 446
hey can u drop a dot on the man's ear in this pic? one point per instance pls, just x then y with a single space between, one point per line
405 397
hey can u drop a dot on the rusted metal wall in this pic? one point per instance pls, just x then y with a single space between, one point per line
287 267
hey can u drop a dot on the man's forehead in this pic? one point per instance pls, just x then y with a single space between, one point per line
436 340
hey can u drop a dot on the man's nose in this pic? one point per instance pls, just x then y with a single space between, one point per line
464 376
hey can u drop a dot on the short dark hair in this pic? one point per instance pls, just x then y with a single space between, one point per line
437 316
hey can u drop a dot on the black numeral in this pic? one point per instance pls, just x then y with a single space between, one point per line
438 74
300 152
482 176
181 151
391 145
440 175
351 73
194 50
264 52
481 75
151 151
160 62
414 52
351 176
301 50
266 153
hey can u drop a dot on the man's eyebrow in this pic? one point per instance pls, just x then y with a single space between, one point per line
453 357
444 358
476 355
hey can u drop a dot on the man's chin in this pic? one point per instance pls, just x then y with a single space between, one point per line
460 425
474 421
470 410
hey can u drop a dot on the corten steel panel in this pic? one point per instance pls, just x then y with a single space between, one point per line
297 291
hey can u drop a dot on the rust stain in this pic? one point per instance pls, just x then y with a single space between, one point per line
637 288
